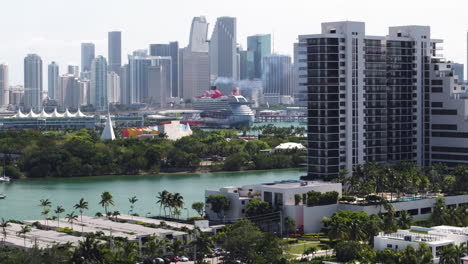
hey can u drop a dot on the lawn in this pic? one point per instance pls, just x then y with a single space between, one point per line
300 247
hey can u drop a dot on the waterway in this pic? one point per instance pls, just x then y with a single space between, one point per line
22 202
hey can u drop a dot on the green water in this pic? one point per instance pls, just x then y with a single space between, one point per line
23 195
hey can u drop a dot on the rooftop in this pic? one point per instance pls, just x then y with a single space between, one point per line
288 184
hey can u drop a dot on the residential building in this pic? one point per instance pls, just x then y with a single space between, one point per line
368 99
52 79
125 93
87 56
458 70
98 88
33 82
16 94
195 61
435 238
169 50
299 91
260 47
277 78
114 49
4 85
113 88
223 53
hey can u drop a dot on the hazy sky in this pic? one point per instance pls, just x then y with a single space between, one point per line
54 29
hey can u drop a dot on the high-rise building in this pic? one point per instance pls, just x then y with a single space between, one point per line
299 91
260 46
73 70
195 61
113 87
458 70
69 94
368 97
125 92
114 49
16 94
159 81
169 50
223 53
87 56
4 85
33 82
98 88
52 79
277 79
246 65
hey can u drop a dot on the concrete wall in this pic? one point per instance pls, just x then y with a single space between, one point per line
313 216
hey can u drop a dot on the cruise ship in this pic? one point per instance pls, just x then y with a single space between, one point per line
224 110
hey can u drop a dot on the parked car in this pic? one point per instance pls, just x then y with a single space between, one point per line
175 259
184 259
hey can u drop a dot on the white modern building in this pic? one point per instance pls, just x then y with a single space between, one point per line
278 194
33 82
435 238
98 88
52 80
113 87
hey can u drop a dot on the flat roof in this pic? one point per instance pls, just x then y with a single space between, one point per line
158 222
296 184
43 238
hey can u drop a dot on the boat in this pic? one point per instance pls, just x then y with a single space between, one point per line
221 110
4 178
2 196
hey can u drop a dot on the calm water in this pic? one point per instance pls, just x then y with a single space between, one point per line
23 195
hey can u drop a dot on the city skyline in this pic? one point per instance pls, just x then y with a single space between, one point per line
61 43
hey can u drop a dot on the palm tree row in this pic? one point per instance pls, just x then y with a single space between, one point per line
172 201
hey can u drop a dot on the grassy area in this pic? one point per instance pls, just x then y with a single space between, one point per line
418 232
300 247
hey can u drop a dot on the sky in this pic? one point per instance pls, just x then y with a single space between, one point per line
54 29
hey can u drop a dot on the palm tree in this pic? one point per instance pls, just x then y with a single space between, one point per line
58 211
405 220
81 206
203 245
4 224
177 201
154 247
132 201
162 199
45 203
115 214
22 233
98 214
177 247
71 217
106 200
45 212
168 203
448 255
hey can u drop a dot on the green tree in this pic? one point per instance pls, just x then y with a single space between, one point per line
162 200
219 204
23 231
4 224
132 200
257 207
106 200
199 207
203 245
297 199
45 204
71 217
405 220
236 161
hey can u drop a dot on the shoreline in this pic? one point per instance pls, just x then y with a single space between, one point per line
162 174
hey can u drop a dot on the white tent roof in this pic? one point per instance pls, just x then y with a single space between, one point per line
80 114
19 114
31 114
290 145
108 132
68 114
44 114
56 114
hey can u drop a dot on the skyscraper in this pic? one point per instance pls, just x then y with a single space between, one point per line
87 56
125 92
159 81
277 78
33 82
52 79
115 51
68 92
98 88
73 70
169 50
260 46
4 85
195 61
247 65
113 87
381 116
459 71
223 53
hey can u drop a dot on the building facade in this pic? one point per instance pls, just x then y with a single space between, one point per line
224 62
53 72
195 61
159 81
260 47
114 49
4 85
169 50
98 88
33 82
113 88
458 69
277 78
368 97
87 56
